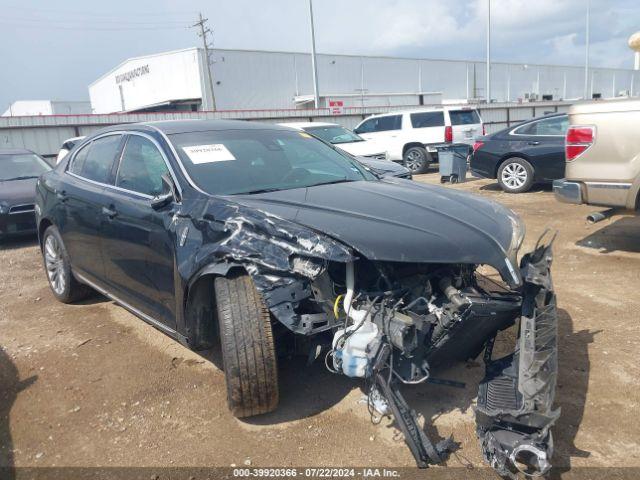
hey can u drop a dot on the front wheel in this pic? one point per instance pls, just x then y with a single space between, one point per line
248 350
515 175
417 159
63 284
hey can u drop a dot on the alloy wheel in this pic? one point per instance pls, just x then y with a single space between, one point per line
55 264
413 161
514 175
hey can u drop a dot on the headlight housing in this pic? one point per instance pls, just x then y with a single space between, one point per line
4 208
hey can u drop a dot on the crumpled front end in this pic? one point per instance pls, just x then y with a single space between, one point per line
515 399
395 322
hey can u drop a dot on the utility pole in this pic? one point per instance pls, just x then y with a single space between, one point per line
586 52
488 89
314 66
204 32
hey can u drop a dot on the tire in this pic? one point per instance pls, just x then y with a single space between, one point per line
57 265
417 159
515 175
248 350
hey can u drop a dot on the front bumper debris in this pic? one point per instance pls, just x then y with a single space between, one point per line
515 399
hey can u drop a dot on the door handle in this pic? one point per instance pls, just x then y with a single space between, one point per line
533 143
62 196
109 212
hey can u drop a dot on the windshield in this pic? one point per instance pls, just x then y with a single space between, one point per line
334 134
21 166
227 162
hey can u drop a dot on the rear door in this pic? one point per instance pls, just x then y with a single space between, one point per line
81 198
466 125
386 132
138 248
542 141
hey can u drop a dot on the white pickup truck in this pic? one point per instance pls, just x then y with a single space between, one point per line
413 136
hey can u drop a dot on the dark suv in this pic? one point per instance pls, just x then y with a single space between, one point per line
252 233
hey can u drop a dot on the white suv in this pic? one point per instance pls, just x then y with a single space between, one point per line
414 136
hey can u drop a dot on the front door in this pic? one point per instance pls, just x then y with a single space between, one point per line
138 248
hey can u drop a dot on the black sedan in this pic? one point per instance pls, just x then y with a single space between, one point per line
532 152
19 170
253 234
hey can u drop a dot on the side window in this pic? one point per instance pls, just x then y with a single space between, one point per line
427 119
367 126
553 126
99 160
78 161
391 122
550 126
141 167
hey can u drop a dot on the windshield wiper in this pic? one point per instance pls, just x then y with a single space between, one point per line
260 190
23 177
342 180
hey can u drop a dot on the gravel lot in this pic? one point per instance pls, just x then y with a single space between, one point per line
92 385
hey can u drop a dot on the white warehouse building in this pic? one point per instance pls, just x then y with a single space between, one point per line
31 108
251 80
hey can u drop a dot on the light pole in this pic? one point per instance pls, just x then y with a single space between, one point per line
586 52
488 89
314 66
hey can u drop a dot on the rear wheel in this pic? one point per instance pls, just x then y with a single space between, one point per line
417 159
515 175
63 284
248 349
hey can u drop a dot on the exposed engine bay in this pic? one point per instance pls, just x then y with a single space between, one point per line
392 323
392 299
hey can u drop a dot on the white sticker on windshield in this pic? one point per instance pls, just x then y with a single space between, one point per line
216 152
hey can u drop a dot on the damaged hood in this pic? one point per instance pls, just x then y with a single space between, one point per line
401 221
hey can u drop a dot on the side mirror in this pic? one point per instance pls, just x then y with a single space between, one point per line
168 194
357 131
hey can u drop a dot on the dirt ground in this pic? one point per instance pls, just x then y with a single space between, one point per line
92 385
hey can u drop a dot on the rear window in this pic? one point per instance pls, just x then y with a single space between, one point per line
95 161
427 119
554 126
381 124
464 117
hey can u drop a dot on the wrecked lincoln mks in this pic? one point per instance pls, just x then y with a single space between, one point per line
259 234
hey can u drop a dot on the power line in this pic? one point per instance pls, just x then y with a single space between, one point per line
204 32
66 13
92 22
89 27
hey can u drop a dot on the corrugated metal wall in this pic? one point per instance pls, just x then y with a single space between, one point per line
45 134
258 79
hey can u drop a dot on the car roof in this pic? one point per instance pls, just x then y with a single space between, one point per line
425 109
169 127
549 115
301 125
14 151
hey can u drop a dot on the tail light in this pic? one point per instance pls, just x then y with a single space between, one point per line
578 139
477 145
448 134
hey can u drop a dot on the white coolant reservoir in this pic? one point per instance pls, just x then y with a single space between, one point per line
351 355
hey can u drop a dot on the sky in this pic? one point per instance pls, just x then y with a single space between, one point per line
54 50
